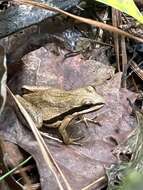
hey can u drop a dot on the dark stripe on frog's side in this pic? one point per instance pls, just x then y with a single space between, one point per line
54 104
70 112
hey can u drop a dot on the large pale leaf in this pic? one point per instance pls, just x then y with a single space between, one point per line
126 6
3 77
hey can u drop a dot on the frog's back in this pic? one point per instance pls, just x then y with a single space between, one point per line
55 102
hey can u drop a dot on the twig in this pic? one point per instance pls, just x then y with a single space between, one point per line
115 22
81 19
102 179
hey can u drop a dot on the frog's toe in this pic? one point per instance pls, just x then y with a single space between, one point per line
86 120
74 140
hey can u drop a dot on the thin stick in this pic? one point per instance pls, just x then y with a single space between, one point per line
92 185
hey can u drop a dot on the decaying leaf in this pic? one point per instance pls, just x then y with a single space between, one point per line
83 166
23 16
81 19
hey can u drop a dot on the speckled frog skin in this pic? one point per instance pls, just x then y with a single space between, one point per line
53 105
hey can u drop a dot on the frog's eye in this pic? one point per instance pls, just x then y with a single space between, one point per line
90 89
87 101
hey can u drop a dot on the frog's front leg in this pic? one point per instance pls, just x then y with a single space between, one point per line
69 119
62 125
62 130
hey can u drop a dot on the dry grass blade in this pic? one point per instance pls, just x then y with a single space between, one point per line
102 180
3 77
43 147
81 19
137 69
115 22
124 61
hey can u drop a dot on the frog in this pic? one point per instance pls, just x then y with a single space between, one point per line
58 108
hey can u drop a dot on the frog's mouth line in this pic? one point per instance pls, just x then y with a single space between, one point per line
83 109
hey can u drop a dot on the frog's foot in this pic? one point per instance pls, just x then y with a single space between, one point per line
85 120
74 141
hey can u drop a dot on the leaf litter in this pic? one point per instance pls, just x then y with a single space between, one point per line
85 164
82 165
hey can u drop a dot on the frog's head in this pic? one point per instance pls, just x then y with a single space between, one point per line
92 98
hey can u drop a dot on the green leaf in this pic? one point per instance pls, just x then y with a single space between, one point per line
126 6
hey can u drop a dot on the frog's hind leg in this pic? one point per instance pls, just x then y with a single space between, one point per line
33 111
31 89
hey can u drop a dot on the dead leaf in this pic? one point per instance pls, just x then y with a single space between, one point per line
81 165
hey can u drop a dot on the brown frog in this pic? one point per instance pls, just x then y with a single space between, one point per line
58 108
